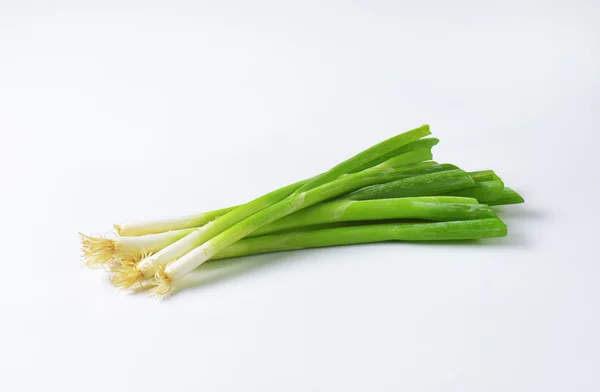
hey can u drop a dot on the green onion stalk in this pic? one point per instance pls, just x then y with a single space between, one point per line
161 226
437 231
374 196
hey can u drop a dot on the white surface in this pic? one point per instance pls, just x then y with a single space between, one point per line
119 110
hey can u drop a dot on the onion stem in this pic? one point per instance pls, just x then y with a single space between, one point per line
439 231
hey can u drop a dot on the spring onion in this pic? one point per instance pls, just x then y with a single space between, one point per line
391 191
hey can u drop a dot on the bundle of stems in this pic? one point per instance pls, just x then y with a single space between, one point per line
392 191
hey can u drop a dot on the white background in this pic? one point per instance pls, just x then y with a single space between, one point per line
122 110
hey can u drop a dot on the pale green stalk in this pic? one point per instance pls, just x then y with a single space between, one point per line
148 243
163 225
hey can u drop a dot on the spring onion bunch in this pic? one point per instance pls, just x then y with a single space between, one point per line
392 191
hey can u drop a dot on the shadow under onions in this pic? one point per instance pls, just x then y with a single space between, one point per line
214 272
